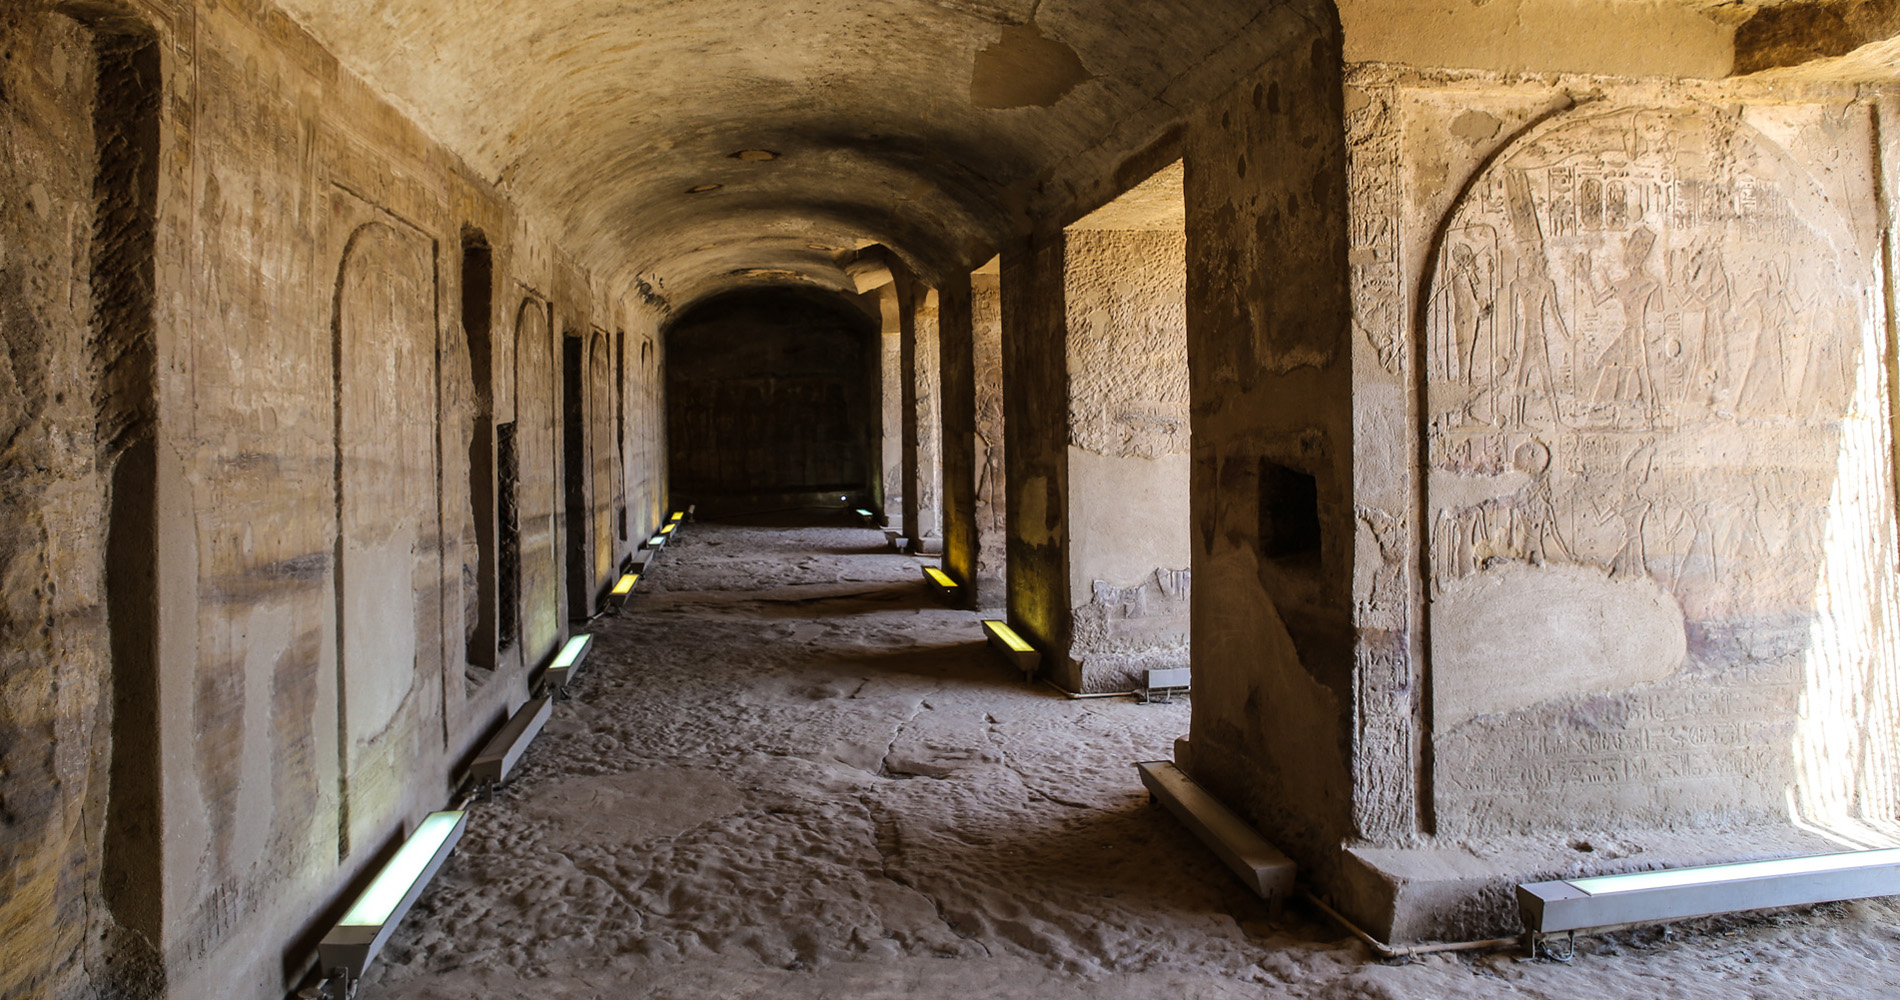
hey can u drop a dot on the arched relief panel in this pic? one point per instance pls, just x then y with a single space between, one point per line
388 563
603 438
1646 335
537 494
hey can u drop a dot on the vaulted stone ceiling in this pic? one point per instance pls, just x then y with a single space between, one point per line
694 144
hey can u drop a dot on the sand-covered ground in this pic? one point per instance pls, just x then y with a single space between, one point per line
788 772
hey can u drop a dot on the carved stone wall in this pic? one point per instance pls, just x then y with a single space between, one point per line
1645 330
1125 296
992 512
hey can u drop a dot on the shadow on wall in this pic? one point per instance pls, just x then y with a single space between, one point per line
770 402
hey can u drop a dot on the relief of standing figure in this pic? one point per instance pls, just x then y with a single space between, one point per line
1623 375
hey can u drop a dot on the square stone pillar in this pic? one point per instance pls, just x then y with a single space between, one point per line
1096 342
958 445
890 489
917 320
986 336
1269 321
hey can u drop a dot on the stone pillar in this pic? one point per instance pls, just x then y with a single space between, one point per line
1035 404
890 489
957 366
1272 477
986 336
923 513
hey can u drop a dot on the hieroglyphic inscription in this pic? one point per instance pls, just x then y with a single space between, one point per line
1630 758
1641 335
1372 153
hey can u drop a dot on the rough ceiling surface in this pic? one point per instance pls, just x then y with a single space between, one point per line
934 127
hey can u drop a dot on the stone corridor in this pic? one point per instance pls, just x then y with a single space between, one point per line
791 772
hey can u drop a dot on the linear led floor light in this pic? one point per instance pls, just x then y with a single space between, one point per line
568 662
353 943
1166 682
1570 905
945 585
678 515
1268 872
623 589
869 519
492 765
1013 647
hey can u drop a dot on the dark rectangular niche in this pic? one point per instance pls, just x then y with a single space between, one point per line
508 532
1289 512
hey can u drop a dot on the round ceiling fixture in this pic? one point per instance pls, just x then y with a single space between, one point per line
703 188
754 155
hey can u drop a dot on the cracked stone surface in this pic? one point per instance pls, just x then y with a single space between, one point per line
788 772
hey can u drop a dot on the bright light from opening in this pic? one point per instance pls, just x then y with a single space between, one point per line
374 906
572 651
942 578
1847 773
625 586
1675 878
1001 630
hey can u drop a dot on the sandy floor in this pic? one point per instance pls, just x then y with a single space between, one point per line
789 773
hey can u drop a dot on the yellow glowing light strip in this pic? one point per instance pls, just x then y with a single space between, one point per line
1002 631
572 651
1674 878
625 586
669 528
942 578
678 515
374 906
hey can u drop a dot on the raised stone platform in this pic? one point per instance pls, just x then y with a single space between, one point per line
1466 892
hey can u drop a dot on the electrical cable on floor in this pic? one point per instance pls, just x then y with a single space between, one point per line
1384 950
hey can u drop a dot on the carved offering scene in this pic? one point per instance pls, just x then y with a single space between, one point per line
1659 490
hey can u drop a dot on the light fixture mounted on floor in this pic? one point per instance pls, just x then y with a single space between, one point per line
1013 647
1570 905
943 583
568 662
354 942
622 590
499 756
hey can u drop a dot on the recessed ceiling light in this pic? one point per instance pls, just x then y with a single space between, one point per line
754 155
703 188
821 246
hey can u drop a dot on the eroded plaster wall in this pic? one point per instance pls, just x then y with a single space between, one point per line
304 488
1126 335
55 653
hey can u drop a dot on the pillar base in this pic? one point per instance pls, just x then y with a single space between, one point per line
1457 892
